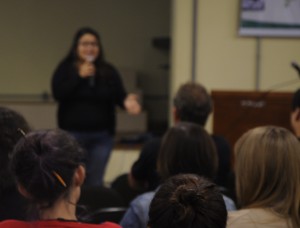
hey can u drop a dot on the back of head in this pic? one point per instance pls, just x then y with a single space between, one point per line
187 148
193 103
268 171
44 163
187 201
12 123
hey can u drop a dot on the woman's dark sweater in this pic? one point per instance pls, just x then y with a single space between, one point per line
85 107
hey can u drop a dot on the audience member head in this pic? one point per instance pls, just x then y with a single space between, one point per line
47 168
192 103
187 201
187 148
12 124
268 171
296 100
90 48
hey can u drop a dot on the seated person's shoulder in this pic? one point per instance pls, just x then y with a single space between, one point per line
14 224
238 216
108 225
53 223
248 218
143 200
220 140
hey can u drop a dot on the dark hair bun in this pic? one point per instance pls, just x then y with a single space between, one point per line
186 201
186 196
44 163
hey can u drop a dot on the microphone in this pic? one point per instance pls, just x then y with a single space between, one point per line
90 59
296 67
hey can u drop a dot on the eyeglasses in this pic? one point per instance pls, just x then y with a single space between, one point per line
86 44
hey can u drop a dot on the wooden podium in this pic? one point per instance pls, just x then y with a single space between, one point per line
235 112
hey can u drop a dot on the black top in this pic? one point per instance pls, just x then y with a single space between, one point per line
144 168
86 107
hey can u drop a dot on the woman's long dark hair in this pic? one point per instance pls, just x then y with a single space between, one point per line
72 56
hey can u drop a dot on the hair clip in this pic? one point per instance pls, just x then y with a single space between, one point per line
21 131
59 178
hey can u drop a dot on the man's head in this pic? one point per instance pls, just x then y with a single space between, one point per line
192 103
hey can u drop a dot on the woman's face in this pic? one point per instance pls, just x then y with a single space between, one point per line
88 47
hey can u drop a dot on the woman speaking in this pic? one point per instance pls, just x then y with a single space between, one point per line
88 89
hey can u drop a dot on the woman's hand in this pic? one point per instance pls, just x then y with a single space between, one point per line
131 104
86 69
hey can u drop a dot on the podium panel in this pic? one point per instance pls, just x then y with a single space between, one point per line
235 112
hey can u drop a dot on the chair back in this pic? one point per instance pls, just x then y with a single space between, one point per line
111 214
94 200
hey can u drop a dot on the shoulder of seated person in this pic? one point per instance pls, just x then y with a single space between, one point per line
248 218
14 223
145 197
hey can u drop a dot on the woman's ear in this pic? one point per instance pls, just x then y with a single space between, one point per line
23 191
79 175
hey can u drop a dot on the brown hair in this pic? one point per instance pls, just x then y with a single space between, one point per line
187 148
268 171
193 103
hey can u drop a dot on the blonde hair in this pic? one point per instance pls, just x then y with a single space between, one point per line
268 171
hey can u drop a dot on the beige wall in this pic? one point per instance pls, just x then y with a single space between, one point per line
226 61
181 43
36 35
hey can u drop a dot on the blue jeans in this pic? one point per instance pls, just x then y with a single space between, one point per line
98 146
